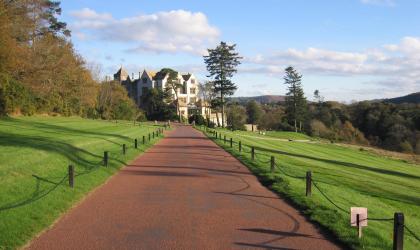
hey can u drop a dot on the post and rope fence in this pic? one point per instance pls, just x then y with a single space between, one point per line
398 219
72 174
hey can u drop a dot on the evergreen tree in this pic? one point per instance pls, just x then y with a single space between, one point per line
295 99
254 112
173 85
221 64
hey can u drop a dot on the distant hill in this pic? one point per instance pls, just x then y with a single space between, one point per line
411 98
263 99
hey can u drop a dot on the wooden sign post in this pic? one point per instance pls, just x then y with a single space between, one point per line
358 218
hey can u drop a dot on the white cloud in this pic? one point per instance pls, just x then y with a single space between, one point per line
88 14
379 2
394 66
170 31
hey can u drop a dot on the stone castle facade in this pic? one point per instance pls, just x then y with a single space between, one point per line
188 95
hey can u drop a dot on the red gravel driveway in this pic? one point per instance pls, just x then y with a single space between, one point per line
183 193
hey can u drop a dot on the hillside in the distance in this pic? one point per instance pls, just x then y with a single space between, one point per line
411 98
263 99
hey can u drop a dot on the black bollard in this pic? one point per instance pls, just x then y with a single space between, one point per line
71 176
398 231
308 183
106 158
272 164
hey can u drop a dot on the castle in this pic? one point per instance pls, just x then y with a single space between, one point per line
188 95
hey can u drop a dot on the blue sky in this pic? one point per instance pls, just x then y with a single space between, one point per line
348 49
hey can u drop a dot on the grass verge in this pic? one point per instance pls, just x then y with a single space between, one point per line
34 156
349 177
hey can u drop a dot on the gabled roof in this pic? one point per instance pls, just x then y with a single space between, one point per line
121 71
151 74
186 77
159 75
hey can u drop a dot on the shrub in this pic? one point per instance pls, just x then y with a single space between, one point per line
15 97
406 147
198 119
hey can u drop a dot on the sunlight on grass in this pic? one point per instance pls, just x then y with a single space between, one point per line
351 178
34 156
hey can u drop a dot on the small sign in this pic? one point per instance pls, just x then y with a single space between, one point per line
363 219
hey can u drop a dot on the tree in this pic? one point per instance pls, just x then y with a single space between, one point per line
173 85
254 112
236 117
317 96
221 64
207 95
114 103
295 99
153 100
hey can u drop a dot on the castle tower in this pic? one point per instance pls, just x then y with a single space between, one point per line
121 75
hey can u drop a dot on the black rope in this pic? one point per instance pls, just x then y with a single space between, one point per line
326 197
412 233
381 219
259 159
289 175
34 198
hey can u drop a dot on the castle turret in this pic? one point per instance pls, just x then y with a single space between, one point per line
121 75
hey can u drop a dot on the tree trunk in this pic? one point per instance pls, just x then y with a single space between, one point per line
223 109
178 110
252 125
217 118
295 126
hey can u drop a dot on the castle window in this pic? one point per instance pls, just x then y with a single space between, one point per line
192 90
192 100
144 80
192 81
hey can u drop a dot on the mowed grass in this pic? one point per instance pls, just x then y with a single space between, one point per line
34 156
349 177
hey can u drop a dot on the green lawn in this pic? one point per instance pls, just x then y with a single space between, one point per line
272 135
34 156
350 177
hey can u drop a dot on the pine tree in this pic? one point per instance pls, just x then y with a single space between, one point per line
295 99
254 112
173 85
221 64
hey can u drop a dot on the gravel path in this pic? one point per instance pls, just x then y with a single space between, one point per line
183 193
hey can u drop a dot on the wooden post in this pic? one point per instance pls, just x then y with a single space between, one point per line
71 176
144 139
224 139
240 146
272 164
359 227
106 158
123 148
398 231
308 183
135 143
149 136
153 134
252 153
231 142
